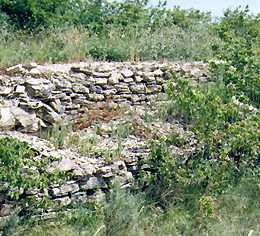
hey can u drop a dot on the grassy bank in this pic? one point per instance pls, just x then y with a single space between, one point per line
103 31
75 44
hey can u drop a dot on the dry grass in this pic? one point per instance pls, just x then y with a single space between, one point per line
104 111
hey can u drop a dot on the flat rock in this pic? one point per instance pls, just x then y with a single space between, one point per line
127 73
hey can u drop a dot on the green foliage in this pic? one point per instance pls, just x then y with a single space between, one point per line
115 31
240 65
86 216
22 169
233 213
228 143
121 214
56 134
32 13
206 206
10 226
206 108
101 49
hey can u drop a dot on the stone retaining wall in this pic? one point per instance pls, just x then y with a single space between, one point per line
33 96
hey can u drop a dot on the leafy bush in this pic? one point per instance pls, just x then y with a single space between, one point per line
115 31
227 149
20 169
31 13
6 29
240 64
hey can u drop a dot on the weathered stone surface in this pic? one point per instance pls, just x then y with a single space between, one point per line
39 87
101 74
46 113
17 69
115 78
83 83
100 81
79 197
96 97
104 68
158 73
5 209
127 73
138 88
80 69
56 105
153 88
92 183
5 91
64 201
122 88
138 79
79 88
69 187
110 92
128 80
28 122
11 117
7 119
88 169
35 72
20 89
30 66
30 100
66 165
149 78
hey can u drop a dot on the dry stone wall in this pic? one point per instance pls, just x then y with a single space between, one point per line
33 96
88 178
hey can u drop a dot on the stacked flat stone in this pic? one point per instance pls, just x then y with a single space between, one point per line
34 96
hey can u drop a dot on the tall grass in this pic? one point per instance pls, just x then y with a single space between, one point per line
75 44
233 213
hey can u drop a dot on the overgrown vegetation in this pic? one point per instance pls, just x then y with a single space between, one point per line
59 31
21 169
211 190
235 212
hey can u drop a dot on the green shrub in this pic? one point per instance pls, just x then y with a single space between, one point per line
6 29
21 169
114 31
31 13
240 64
234 213
227 149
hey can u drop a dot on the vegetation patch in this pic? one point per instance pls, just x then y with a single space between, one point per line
22 168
